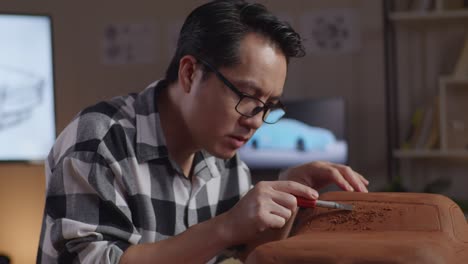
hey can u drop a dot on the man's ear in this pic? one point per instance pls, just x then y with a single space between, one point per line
187 68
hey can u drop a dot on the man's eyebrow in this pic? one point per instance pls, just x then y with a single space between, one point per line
251 86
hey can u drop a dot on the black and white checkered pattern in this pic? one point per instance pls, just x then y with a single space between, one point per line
111 184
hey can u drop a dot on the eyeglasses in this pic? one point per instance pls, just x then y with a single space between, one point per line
248 105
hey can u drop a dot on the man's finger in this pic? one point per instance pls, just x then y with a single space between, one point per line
281 211
276 221
296 188
284 199
340 180
364 180
353 178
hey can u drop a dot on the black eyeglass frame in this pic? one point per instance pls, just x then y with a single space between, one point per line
266 106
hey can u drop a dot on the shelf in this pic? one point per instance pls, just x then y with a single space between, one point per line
420 17
422 154
452 80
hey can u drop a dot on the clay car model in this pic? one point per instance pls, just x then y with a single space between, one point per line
382 228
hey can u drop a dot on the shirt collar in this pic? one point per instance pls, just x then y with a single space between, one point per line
150 140
206 166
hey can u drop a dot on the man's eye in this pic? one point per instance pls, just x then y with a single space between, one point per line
272 103
257 110
247 92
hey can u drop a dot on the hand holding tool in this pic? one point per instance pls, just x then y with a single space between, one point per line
308 203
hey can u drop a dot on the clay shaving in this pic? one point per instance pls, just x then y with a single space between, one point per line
359 219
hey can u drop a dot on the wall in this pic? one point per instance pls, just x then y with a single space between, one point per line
82 79
21 205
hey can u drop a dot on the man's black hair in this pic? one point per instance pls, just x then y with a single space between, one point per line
213 31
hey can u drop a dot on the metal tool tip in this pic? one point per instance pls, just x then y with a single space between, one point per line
345 207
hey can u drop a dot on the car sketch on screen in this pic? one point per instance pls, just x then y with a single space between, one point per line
291 142
20 93
27 102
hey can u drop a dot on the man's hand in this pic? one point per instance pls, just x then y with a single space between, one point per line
320 174
268 205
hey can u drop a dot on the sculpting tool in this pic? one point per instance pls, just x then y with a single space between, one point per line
307 203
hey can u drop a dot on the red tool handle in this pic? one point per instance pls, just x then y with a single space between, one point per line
304 202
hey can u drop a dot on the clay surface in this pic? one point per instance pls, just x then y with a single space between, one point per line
382 228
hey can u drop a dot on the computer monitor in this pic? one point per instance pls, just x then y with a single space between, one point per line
312 130
27 111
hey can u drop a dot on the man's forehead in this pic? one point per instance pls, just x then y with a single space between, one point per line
253 88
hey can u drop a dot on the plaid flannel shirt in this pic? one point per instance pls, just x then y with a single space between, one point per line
110 184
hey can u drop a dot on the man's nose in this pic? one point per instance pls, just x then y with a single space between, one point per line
253 122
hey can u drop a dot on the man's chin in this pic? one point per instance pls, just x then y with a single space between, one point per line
223 154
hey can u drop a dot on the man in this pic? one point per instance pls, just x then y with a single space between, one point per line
154 177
